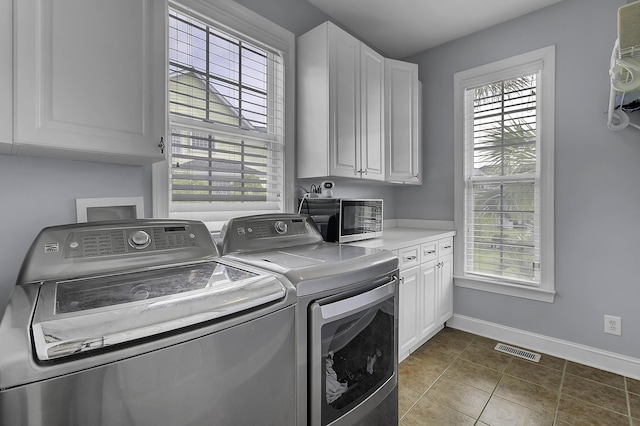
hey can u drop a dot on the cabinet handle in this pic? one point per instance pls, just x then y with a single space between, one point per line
410 257
447 247
401 280
161 145
431 251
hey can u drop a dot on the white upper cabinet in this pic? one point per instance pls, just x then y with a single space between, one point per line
85 84
372 113
340 106
6 77
402 124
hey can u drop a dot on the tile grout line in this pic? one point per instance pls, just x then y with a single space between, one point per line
505 373
626 393
423 394
476 420
555 413
491 394
564 376
502 374
595 404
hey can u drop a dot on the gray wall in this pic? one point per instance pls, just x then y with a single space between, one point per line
597 175
297 16
40 192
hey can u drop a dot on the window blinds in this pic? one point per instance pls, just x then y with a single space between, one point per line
226 108
502 209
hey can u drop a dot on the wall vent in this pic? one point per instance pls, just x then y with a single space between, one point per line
521 353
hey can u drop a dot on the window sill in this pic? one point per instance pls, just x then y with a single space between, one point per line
508 289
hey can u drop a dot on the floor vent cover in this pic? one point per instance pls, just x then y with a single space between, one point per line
522 353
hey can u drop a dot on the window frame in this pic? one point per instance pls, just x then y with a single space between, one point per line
236 19
541 61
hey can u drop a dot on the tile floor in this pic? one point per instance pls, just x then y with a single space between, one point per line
457 378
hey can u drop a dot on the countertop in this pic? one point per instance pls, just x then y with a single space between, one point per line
396 238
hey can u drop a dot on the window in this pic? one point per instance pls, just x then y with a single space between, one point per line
504 176
228 97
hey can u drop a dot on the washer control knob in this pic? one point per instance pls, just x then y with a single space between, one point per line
139 240
281 227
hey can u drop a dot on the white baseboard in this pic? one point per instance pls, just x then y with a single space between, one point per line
598 358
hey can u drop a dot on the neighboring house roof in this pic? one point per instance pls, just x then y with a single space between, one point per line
221 166
478 172
221 99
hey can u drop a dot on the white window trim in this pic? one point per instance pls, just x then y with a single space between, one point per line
237 18
544 61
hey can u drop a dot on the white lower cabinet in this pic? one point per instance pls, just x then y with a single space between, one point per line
409 308
426 292
445 289
428 296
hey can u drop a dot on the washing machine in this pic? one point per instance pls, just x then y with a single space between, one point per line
142 323
346 316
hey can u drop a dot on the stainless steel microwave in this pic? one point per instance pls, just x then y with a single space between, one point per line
345 219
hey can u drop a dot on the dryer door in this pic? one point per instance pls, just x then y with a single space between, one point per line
353 355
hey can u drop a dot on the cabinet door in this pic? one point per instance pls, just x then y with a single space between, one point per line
445 288
313 136
6 77
85 80
428 298
402 124
408 311
372 114
344 85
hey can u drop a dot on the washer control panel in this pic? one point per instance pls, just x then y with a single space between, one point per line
107 242
139 240
281 227
95 247
270 228
261 232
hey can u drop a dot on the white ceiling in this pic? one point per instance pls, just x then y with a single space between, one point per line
401 28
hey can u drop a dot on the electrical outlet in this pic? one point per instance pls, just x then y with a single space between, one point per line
613 325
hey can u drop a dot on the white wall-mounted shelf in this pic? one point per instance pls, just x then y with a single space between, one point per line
624 70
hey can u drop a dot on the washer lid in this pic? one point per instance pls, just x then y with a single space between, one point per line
323 256
315 268
74 316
